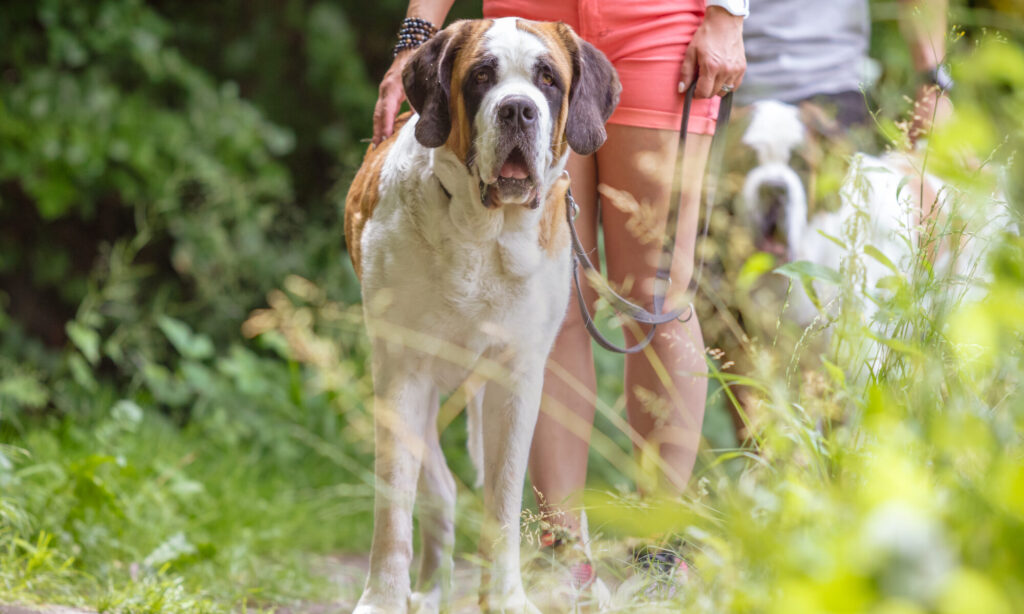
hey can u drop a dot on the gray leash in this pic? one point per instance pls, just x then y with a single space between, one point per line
622 305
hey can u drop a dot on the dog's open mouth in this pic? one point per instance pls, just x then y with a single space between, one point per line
514 167
514 181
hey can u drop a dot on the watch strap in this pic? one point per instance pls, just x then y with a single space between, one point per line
939 76
740 8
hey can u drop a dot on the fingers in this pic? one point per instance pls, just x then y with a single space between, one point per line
706 87
716 72
383 118
389 99
717 54
733 76
384 112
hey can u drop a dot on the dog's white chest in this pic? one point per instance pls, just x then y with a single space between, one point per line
456 275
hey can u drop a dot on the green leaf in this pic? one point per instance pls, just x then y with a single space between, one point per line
126 412
803 271
81 372
834 371
197 347
757 265
833 239
892 283
172 549
877 254
85 339
897 344
24 390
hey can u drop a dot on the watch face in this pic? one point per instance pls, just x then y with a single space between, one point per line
940 76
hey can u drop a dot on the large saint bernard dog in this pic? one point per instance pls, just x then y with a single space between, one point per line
457 227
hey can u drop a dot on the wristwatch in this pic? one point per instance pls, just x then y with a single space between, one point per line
740 8
939 76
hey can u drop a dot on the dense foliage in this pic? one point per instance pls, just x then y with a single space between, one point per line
162 168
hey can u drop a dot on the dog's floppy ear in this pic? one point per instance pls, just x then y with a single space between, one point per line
427 80
592 98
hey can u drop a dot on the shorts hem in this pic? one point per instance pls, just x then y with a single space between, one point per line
661 120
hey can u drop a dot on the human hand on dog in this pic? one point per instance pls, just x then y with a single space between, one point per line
715 56
389 98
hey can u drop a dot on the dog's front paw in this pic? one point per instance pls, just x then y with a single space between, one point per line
425 602
367 608
514 603
369 604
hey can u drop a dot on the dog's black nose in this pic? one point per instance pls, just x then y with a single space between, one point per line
518 111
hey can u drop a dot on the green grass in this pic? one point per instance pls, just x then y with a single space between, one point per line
121 507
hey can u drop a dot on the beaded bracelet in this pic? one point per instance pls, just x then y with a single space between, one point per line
413 33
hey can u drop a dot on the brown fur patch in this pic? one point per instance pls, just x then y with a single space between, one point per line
364 194
470 41
553 230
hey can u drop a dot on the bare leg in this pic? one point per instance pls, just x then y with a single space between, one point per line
558 456
666 386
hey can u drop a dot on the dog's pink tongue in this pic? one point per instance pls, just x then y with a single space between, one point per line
514 169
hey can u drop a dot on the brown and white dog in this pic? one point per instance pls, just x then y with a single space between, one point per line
457 227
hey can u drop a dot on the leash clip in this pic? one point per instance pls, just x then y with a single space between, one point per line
574 207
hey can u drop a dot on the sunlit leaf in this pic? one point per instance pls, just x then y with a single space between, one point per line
86 339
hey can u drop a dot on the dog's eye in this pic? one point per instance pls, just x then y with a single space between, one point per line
547 79
482 76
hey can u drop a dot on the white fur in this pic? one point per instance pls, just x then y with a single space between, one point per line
775 130
451 288
874 212
517 53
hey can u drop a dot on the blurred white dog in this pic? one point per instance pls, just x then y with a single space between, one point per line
878 222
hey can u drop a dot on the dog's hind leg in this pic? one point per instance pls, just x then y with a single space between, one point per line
436 505
403 402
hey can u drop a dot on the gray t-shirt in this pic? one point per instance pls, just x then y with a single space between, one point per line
801 48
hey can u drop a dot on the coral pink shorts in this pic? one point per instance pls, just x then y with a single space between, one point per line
645 41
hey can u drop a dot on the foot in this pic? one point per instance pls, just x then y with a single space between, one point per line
658 574
367 608
425 602
513 603
375 604
565 576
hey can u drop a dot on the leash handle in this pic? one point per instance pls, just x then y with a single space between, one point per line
620 304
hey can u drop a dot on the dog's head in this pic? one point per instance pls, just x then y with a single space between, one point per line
507 96
774 202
